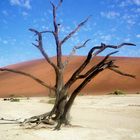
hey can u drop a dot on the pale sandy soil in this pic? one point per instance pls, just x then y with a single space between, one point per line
94 118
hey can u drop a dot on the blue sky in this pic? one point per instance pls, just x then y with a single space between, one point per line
112 22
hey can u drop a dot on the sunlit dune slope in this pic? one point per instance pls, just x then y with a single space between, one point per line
104 83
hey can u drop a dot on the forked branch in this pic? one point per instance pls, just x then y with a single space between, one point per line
102 63
39 45
90 55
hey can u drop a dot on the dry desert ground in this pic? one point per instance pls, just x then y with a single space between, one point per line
105 117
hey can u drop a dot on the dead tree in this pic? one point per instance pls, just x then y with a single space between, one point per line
60 112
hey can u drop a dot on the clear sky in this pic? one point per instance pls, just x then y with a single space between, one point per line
112 22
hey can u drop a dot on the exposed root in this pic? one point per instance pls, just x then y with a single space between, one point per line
4 119
37 120
45 119
9 121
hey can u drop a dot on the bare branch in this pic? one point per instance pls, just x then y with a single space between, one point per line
59 4
40 47
49 60
122 73
74 50
39 40
56 36
54 18
80 69
89 57
35 45
99 65
104 46
121 45
47 32
74 31
83 45
28 75
37 32
99 49
33 30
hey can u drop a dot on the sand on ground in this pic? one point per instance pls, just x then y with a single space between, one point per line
106 117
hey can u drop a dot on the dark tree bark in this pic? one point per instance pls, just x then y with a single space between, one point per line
60 112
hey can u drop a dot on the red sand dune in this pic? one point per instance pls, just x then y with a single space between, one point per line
104 83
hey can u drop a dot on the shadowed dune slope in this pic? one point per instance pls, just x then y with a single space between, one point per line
104 83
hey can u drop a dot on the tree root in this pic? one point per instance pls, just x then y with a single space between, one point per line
40 119
9 121
34 121
47 119
4 119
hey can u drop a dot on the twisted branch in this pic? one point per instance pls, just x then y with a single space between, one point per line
90 55
100 64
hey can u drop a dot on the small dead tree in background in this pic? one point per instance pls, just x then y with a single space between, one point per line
60 112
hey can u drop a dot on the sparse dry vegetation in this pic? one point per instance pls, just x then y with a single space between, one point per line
117 92
12 99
